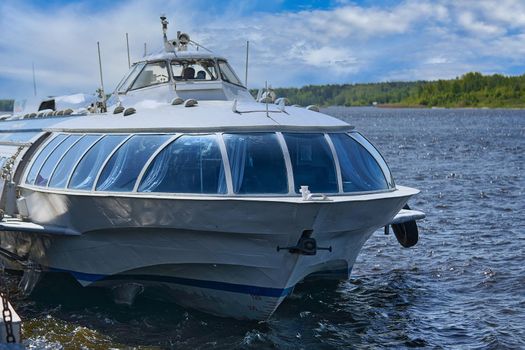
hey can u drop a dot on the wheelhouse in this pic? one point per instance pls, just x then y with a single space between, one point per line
201 72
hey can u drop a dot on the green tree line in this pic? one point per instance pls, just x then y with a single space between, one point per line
470 90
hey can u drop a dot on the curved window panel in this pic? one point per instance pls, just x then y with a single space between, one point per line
45 172
312 162
122 170
378 157
86 171
359 170
257 163
130 77
152 74
227 73
190 164
41 158
67 163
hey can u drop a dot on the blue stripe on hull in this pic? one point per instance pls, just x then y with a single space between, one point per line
228 287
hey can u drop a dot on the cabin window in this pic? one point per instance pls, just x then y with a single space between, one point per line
152 74
122 170
130 77
378 157
45 172
87 169
194 70
227 73
257 163
41 158
359 170
67 163
312 162
190 164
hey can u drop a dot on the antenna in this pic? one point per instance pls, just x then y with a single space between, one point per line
34 80
246 72
145 50
103 95
100 66
266 98
127 46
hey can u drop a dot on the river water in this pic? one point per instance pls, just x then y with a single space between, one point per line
461 287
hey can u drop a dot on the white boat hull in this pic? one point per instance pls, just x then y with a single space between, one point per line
216 255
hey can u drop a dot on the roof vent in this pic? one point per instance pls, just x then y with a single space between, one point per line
190 103
118 109
177 101
129 111
313 108
68 111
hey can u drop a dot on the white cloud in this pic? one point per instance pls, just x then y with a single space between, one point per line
410 40
469 22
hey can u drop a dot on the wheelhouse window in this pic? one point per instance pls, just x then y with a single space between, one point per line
130 77
67 163
190 164
45 172
257 163
359 170
42 156
122 170
152 74
312 162
203 70
87 169
227 73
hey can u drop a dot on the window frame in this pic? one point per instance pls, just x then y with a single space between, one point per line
391 183
286 158
168 70
60 159
218 136
131 71
231 70
179 60
37 154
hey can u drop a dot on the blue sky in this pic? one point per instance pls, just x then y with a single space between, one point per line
293 43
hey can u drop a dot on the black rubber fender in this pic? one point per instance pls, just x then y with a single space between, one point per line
406 233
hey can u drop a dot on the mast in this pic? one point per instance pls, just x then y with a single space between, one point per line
102 93
127 46
246 71
34 79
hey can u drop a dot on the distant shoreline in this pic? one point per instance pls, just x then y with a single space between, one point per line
425 107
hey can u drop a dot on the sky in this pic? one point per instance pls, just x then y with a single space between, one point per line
292 43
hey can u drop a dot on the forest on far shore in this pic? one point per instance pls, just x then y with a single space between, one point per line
470 90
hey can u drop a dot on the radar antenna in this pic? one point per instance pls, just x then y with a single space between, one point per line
168 46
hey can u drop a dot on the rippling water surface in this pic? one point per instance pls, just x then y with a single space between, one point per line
462 286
